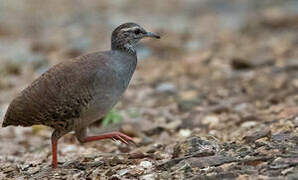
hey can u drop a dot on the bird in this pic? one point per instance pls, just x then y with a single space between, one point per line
77 92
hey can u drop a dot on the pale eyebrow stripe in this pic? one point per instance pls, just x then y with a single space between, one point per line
129 29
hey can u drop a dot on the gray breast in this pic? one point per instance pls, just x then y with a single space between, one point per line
110 84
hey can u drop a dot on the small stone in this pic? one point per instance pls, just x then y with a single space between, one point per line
146 164
287 171
123 172
193 146
166 87
137 171
137 155
148 177
242 107
115 161
248 124
159 155
8 169
185 132
33 170
257 135
189 95
211 120
97 163
173 124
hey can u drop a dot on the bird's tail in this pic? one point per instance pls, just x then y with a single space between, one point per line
6 122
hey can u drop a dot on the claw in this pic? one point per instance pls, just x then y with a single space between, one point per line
128 139
131 142
115 136
122 140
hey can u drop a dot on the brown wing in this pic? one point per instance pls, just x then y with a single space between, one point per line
57 95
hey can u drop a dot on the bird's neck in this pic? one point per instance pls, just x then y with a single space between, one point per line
125 46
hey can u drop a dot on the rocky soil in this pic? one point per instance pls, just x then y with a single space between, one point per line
215 98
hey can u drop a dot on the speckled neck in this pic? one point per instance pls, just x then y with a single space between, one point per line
123 45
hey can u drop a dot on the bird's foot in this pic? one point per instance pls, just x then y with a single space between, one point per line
118 136
115 136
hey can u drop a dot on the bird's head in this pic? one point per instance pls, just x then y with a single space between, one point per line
126 36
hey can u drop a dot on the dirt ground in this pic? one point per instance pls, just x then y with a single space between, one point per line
215 98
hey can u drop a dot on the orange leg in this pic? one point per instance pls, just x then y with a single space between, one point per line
54 154
112 135
55 137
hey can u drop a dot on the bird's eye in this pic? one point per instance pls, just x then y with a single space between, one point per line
137 31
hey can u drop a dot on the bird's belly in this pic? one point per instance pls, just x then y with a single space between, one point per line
103 101
97 109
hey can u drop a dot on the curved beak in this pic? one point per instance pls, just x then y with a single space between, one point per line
153 35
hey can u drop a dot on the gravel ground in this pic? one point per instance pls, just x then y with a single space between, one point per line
215 98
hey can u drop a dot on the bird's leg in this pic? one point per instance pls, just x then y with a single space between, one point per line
54 153
55 137
112 135
81 135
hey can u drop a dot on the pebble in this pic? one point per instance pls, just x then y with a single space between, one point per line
33 170
8 169
188 95
193 145
123 172
148 177
248 124
211 120
241 107
166 87
115 161
185 132
146 164
287 171
173 124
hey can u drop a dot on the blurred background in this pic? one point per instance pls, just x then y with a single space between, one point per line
222 68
